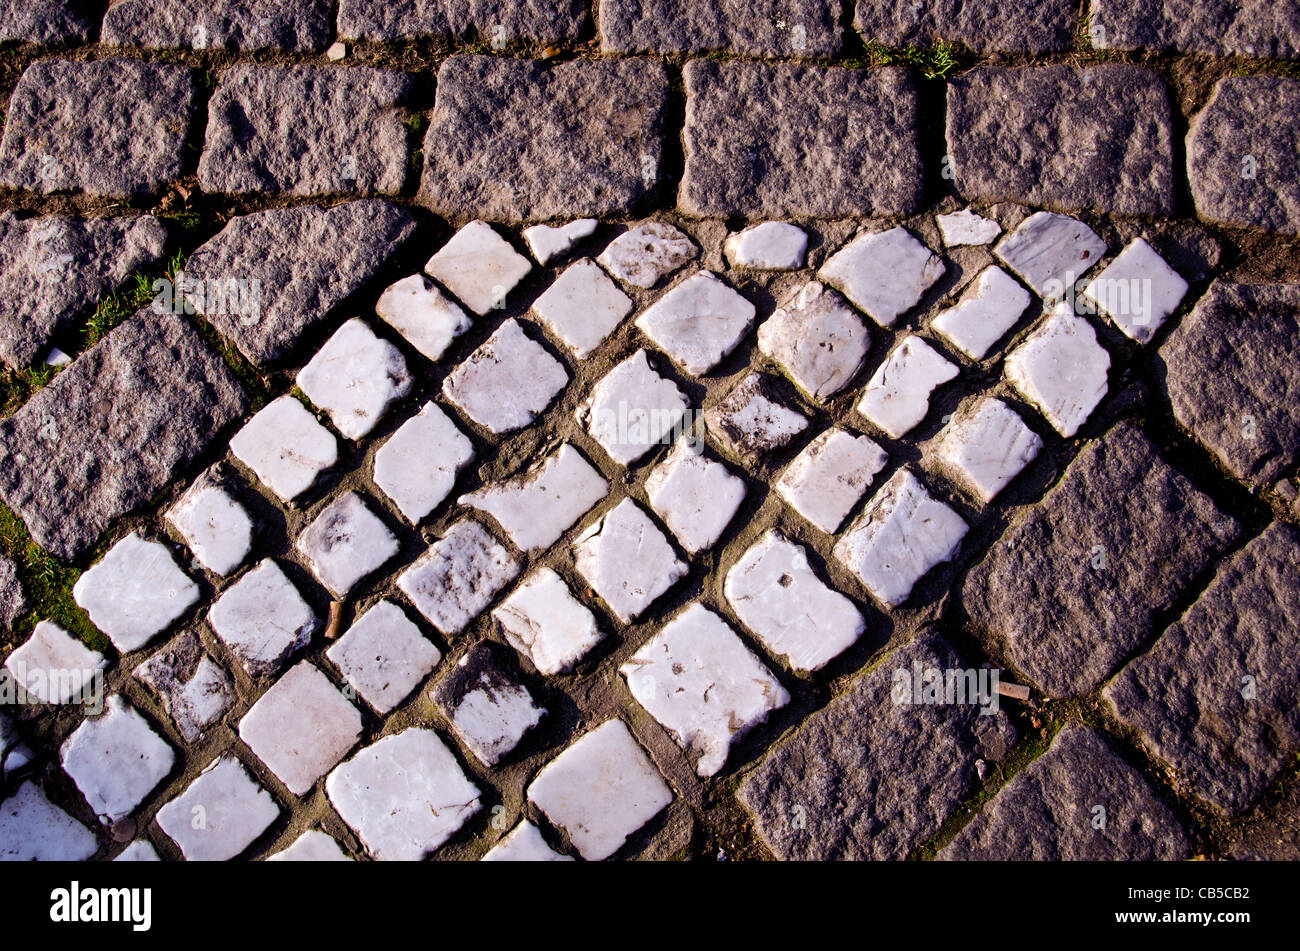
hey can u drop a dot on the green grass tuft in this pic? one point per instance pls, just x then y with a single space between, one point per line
935 62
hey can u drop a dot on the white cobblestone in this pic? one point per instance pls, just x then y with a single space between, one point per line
583 307
141 850
986 311
646 254
898 396
355 378
220 814
116 760
524 843
479 267
194 690
632 409
1061 369
696 497
286 447
418 310
627 560
986 447
817 339
418 465
548 242
547 624
217 528
1050 252
885 273
965 227
507 382
751 422
263 619
53 666
135 592
698 322
487 709
33 829
827 479
456 579
770 246
312 846
383 656
1137 290
346 542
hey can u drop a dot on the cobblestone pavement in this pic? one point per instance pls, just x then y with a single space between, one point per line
648 429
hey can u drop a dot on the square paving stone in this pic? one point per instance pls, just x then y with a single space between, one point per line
790 141
817 339
1049 811
33 829
703 685
355 378
583 307
1255 28
698 322
696 497
417 309
419 463
547 624
647 253
54 269
1137 291
897 398
1061 369
13 600
806 28
632 409
627 560
263 619
753 420
524 843
346 542
286 447
312 846
307 131
383 656
521 140
1050 252
884 272
301 727
507 382
488 709
869 777
1076 583
457 578
214 523
298 264
116 760
1215 696
113 429
404 795
536 21
194 689
220 814
1231 373
983 26
828 478
991 306
984 447
112 128
55 667
776 594
1005 129
601 790
239 25
479 266
135 592
48 22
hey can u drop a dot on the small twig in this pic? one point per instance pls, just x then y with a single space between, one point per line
1014 691
335 620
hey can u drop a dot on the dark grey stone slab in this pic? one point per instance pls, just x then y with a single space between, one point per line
307 131
298 264
1068 138
1077 802
13 600
518 140
110 127
785 140
1243 154
49 22
871 778
984 26
1216 696
758 28
1073 587
502 21
1233 380
1263 28
54 269
113 429
304 26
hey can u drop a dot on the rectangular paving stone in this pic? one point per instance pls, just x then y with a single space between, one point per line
1261 28
49 22
984 26
298 264
241 25
113 128
1215 696
498 21
113 428
1241 153
868 777
785 140
1065 137
307 131
13 600
1074 586
808 28
520 140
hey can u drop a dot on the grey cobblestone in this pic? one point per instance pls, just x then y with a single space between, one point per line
807 28
49 22
982 25
13 600
1262 28
241 25
497 21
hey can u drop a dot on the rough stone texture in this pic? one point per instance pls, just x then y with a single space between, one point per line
752 421
305 261
112 429
194 690
54 269
984 26
1233 380
48 22
13 600
1048 812
307 131
808 28
479 266
346 542
1241 152
506 382
1215 697
799 141
458 576
499 21
112 127
696 497
826 480
1257 28
547 624
518 140
239 25
488 709
817 339
234 809
417 309
698 322
627 560
1075 585
1006 128
213 523
647 253
870 778
886 273
419 463
34 829
632 409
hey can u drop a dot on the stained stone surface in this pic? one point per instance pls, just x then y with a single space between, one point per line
240 25
194 690
752 421
1232 380
627 560
418 465
518 140
1214 696
698 322
1048 812
1050 252
884 272
285 447
263 619
803 28
539 21
48 22
135 592
346 542
870 778
234 809
299 264
456 579
696 497
1005 127
647 253
13 599
1255 28
355 378
114 128
544 621
784 140
383 656
1241 152
1133 532
506 382
53 269
479 266
817 339
488 709
984 26
114 428
116 759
